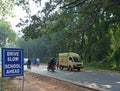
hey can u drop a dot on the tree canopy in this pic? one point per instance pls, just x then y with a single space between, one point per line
88 27
6 7
7 35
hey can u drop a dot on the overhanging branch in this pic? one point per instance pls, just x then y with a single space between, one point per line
54 7
74 4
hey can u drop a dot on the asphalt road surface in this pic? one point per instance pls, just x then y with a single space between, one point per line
106 81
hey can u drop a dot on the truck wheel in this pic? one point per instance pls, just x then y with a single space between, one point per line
61 67
78 69
70 68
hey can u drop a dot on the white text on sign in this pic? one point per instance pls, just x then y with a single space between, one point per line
12 53
12 56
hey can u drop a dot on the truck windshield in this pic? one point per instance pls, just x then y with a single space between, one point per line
76 59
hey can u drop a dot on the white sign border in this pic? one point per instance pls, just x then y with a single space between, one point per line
3 62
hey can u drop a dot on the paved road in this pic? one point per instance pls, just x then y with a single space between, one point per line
105 80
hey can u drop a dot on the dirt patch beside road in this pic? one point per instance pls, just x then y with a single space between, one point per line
35 82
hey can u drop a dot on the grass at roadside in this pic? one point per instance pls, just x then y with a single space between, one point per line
88 66
6 84
91 67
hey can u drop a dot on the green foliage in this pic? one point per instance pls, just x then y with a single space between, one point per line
6 7
117 58
90 28
7 35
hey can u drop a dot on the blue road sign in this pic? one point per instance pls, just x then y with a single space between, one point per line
12 62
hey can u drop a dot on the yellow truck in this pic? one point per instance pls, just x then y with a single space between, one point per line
70 61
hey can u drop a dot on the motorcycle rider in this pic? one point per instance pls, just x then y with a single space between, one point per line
51 62
54 61
29 64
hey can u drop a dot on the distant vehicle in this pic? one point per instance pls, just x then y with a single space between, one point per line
70 61
25 61
36 61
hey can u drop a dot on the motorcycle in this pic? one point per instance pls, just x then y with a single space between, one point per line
29 67
51 67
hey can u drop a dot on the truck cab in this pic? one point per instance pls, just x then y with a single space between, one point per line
70 61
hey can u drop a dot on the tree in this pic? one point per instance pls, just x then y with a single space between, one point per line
7 35
6 7
89 27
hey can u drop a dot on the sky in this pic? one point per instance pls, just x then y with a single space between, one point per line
19 13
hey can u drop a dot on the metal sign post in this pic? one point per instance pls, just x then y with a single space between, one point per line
12 62
23 83
1 84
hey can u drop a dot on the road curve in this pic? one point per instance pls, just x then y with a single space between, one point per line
106 81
